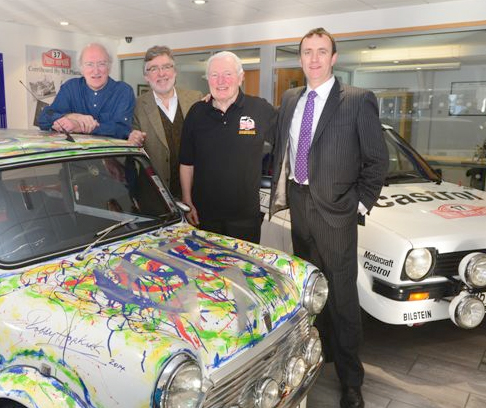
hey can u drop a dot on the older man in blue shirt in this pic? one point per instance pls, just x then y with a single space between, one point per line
94 103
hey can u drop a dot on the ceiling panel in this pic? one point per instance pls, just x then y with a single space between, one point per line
114 18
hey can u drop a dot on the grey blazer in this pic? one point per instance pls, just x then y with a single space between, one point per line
147 119
348 157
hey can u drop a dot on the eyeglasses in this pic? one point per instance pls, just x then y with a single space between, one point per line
100 65
162 68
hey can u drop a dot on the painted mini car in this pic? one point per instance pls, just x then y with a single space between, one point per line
108 298
422 250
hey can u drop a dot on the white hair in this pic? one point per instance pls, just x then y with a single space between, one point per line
97 45
225 54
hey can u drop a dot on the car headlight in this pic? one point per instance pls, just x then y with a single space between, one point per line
295 371
472 270
267 393
419 263
466 310
315 293
313 348
179 384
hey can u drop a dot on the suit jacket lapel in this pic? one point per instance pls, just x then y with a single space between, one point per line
333 100
153 114
290 108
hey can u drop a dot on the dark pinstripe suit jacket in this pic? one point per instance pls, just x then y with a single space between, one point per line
348 158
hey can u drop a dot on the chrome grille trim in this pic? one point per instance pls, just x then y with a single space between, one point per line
447 264
232 384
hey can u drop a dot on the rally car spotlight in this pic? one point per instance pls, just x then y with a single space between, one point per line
295 371
472 270
315 293
419 263
267 393
180 384
313 348
466 310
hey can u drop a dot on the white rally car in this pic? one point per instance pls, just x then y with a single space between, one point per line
422 252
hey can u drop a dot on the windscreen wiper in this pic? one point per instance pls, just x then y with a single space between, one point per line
69 138
401 176
103 233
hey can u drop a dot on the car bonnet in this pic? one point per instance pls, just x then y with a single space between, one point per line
186 285
437 211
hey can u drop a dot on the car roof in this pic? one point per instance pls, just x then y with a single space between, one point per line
21 145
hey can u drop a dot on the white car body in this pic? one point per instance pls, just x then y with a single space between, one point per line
414 211
110 299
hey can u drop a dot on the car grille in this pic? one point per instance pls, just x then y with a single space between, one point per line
236 386
448 264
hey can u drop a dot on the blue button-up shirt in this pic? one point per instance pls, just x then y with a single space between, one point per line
112 106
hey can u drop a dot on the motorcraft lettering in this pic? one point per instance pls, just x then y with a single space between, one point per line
405 199
418 315
377 264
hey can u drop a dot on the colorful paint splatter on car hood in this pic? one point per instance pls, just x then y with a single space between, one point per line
136 302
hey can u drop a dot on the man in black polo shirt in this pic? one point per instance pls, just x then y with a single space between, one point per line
221 153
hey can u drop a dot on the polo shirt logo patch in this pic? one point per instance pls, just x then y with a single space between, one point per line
247 126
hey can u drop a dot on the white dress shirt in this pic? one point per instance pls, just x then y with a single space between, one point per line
172 110
319 102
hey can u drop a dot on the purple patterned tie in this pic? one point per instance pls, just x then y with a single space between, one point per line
304 139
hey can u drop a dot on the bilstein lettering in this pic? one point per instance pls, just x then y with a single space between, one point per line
421 314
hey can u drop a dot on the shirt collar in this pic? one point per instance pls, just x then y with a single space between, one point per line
98 90
239 102
172 98
324 89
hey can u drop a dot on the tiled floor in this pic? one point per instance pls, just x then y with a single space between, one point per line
431 366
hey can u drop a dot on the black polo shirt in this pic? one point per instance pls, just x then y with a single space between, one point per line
226 152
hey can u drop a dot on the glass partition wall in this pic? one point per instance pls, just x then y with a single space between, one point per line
191 70
430 87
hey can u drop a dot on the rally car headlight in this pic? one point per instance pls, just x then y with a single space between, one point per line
472 270
315 293
179 384
466 310
267 393
419 263
313 348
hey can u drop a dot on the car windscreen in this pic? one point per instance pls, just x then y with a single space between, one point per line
405 163
55 207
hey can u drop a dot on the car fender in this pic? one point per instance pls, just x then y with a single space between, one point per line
381 256
29 387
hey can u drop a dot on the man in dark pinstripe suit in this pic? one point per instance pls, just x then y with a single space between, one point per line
344 169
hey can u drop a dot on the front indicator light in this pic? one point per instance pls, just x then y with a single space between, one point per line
472 270
418 296
466 310
267 393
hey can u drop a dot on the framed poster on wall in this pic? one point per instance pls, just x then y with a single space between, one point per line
142 88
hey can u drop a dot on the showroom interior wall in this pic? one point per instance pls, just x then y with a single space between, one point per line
13 41
15 37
